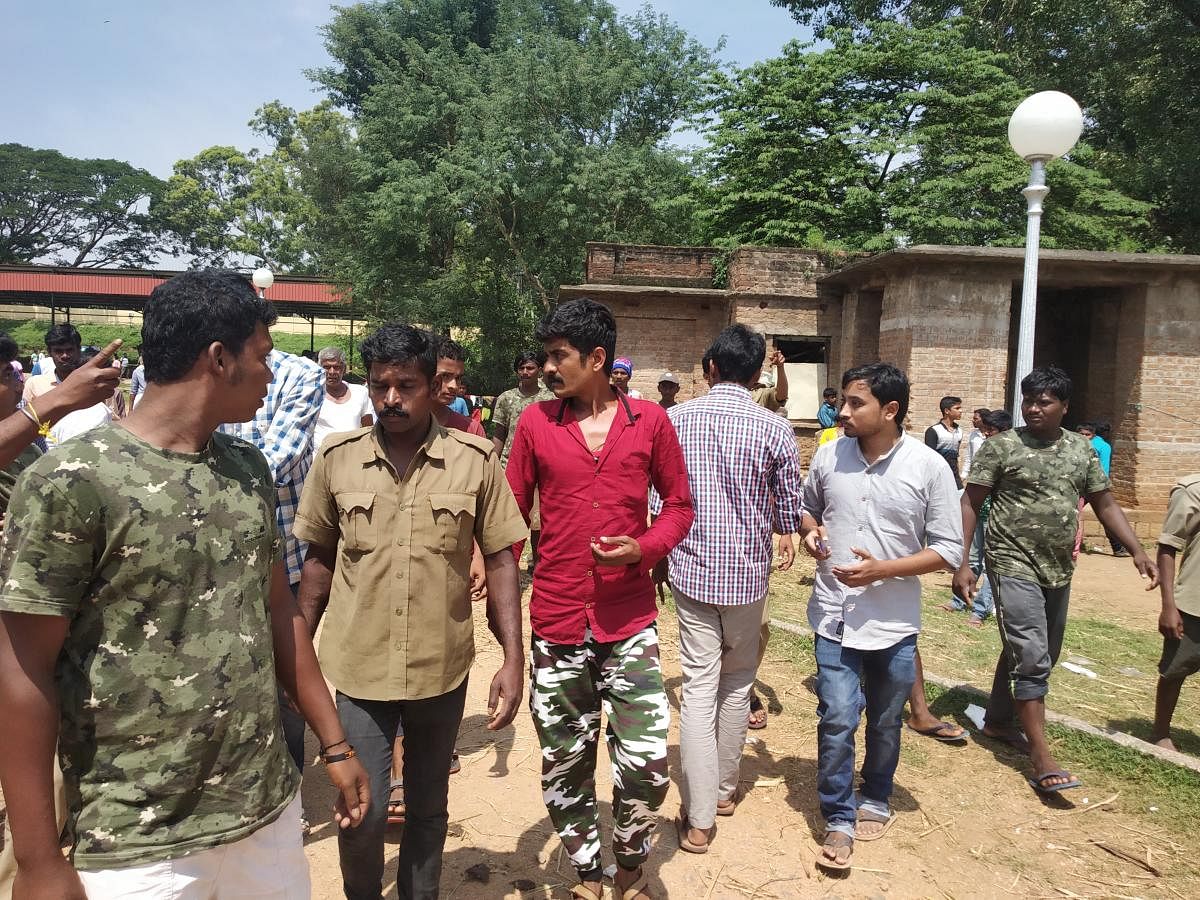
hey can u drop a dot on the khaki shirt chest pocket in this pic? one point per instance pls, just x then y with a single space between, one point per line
358 519
453 521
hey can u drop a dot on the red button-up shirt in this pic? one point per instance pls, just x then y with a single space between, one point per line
585 496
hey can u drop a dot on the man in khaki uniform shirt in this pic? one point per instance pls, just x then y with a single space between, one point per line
390 513
1179 620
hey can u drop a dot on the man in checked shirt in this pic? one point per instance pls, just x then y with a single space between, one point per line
592 453
283 430
744 474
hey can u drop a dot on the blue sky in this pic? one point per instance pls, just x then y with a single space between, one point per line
154 81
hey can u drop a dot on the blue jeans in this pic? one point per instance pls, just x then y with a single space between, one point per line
849 681
371 726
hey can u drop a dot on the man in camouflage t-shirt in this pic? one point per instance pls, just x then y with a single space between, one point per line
140 576
1035 476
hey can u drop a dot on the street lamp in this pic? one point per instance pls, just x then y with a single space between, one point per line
1045 126
263 278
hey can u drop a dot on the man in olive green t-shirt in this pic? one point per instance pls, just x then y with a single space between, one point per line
1035 476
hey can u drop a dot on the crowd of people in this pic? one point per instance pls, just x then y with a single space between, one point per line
165 572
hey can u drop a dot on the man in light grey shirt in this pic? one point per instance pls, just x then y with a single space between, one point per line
880 508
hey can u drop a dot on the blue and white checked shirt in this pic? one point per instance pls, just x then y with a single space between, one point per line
744 473
283 430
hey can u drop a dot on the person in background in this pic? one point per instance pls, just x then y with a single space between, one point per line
622 371
1179 621
344 406
137 381
773 396
827 413
945 436
452 376
992 423
283 431
1035 476
1097 433
668 389
974 441
450 409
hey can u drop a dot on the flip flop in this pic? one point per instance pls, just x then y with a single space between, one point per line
838 837
728 810
756 706
937 732
1047 789
582 892
638 887
455 764
681 828
396 811
868 816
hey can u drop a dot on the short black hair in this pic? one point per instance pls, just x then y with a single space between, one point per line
450 349
829 392
187 313
738 353
585 325
533 356
705 360
1047 380
886 383
998 419
63 333
8 349
396 344
981 411
1090 426
948 402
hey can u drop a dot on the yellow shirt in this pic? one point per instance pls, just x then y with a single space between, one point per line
398 625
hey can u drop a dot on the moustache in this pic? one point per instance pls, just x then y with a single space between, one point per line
394 413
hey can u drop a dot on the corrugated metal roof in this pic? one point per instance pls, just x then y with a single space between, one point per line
99 283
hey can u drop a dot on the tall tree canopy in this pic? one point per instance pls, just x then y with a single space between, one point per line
75 212
1134 65
495 137
895 134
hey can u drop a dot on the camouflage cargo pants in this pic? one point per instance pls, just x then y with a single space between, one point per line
569 685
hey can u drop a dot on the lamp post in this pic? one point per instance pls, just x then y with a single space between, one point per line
1045 126
263 278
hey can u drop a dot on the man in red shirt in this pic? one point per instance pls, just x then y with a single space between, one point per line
593 453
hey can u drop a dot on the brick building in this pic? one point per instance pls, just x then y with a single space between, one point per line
1126 326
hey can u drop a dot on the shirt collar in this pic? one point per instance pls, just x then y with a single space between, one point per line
883 458
433 445
565 404
730 388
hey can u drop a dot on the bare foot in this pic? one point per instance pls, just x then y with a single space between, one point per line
1045 762
975 622
697 836
1166 743
928 724
1011 736
948 607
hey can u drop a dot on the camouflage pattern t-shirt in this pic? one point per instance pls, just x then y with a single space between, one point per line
509 407
169 736
1036 486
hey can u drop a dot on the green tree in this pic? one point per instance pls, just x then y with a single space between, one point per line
492 138
224 205
1134 65
75 212
893 135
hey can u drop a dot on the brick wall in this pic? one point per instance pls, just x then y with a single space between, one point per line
659 331
775 270
664 266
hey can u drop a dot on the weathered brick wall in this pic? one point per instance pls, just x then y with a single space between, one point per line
658 332
650 265
775 270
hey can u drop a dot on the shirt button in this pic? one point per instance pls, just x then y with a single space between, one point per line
589 573
595 504
399 611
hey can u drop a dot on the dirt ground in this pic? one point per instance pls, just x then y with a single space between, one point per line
968 826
